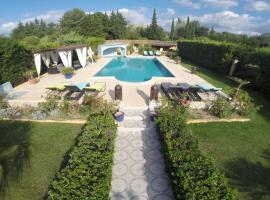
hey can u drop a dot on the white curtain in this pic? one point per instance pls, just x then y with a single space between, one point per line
37 58
46 58
66 57
82 55
54 56
90 54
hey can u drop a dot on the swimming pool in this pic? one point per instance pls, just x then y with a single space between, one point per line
134 69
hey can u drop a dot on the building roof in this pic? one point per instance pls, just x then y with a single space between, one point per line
63 48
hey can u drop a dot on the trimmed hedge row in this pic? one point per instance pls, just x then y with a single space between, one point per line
214 55
193 176
15 60
88 172
218 56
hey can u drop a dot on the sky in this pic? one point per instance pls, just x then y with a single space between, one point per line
237 16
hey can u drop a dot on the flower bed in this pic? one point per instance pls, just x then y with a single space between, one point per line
87 174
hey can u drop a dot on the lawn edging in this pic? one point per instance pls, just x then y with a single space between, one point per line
192 174
88 171
200 121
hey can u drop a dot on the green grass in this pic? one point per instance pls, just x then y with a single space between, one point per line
241 150
30 155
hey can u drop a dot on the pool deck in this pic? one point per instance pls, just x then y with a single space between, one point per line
134 94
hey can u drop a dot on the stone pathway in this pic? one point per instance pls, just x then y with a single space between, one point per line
138 171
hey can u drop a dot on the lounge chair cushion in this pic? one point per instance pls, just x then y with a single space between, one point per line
98 86
59 87
81 85
207 87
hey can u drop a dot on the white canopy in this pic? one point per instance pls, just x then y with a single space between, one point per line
90 54
66 57
82 55
37 58
46 57
54 56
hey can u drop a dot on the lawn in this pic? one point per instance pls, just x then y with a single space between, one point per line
30 155
241 150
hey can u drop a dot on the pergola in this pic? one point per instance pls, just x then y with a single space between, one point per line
51 56
109 50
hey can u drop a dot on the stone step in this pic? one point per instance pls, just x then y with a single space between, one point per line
136 122
135 111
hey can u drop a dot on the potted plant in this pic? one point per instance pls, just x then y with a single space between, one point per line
119 116
52 69
30 75
178 59
67 72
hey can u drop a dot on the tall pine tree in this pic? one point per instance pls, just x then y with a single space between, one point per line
172 30
155 32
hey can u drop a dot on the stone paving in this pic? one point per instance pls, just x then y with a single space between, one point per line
138 171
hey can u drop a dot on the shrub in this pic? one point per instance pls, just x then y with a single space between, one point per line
214 55
67 70
93 42
51 103
3 102
221 107
193 175
15 60
244 104
87 174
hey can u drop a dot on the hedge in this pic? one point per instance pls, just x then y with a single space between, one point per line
193 175
218 56
87 174
15 60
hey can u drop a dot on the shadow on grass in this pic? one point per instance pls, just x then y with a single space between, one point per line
15 151
249 177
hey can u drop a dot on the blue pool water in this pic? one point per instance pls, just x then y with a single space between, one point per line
134 69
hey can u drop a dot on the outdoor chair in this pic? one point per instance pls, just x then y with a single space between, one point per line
207 87
96 87
157 53
75 92
145 53
150 53
57 90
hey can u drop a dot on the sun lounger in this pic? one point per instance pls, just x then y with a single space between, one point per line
97 86
150 53
172 91
75 92
57 90
145 53
157 53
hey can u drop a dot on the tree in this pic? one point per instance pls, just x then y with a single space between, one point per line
117 26
172 30
71 20
94 25
155 32
37 28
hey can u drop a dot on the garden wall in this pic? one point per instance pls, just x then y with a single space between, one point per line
218 56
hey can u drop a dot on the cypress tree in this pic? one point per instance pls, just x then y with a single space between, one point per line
172 30
155 32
